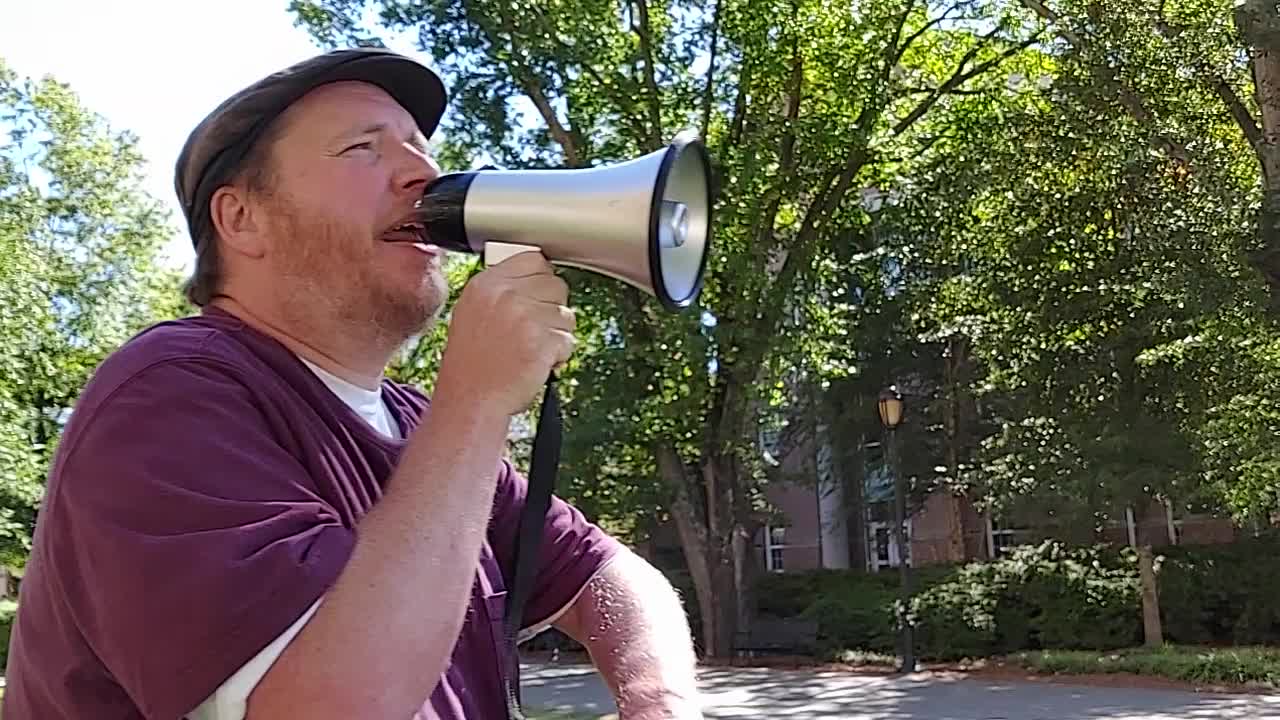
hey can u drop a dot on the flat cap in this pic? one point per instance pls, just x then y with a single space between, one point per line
217 147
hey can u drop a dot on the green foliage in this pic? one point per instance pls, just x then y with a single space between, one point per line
79 273
1038 596
853 610
1100 285
1245 665
1049 597
1036 220
802 104
1222 594
8 609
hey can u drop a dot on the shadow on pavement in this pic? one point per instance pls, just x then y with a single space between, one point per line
809 695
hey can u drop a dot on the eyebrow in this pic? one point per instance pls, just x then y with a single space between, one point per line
419 140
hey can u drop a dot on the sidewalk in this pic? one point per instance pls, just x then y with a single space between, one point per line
814 695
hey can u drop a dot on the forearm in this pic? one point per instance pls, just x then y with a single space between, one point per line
383 635
631 621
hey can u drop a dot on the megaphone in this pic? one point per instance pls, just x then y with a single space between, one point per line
645 222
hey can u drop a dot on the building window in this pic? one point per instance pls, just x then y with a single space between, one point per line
775 541
1001 538
885 552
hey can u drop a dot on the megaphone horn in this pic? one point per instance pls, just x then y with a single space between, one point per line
646 222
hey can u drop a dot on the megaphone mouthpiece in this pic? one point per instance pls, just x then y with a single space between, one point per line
441 208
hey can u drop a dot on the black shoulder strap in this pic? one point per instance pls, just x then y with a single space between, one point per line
524 555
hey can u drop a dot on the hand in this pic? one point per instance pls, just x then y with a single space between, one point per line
510 328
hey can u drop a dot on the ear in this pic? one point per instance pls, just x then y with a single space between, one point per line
235 220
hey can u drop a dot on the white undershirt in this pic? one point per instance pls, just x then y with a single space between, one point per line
230 700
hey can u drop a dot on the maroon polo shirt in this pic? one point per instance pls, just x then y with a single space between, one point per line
206 491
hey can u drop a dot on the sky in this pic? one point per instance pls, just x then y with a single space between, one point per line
154 67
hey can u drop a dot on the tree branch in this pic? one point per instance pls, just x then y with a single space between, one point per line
1258 24
739 106
533 89
1215 83
1052 18
625 101
650 77
835 186
763 228
709 92
928 91
960 76
1126 97
899 50
895 52
1244 118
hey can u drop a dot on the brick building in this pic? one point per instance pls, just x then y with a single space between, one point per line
813 532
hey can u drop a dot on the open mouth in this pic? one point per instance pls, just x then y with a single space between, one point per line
406 232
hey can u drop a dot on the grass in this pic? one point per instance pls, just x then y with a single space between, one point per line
535 714
1255 666
866 658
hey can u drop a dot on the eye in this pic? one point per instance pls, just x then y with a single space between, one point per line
358 146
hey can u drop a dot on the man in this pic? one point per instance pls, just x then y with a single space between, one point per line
245 519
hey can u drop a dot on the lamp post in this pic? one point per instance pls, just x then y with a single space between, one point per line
890 416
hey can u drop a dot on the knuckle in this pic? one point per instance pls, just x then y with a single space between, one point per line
506 296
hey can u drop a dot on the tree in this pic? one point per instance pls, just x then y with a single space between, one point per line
1220 56
802 103
79 272
1101 288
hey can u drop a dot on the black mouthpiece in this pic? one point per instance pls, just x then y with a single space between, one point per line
441 211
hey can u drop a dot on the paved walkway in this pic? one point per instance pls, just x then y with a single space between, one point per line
808 695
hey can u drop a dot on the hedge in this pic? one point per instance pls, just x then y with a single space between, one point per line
1043 597
1222 594
8 608
1259 666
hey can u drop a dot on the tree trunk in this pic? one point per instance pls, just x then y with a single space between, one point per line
713 554
1259 26
720 483
1152 633
744 577
951 366
860 554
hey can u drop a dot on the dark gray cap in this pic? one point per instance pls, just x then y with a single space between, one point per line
215 150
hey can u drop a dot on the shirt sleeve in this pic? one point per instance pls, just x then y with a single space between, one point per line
187 538
573 550
231 700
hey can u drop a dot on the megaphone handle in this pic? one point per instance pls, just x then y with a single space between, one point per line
543 468
496 252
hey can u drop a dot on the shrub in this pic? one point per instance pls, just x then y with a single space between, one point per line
1221 594
854 610
1046 597
8 608
1191 664
1041 596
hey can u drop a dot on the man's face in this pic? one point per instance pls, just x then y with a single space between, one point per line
348 166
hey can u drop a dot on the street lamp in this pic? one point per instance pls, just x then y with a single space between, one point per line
891 416
890 407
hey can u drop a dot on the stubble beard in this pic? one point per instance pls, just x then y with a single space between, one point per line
327 285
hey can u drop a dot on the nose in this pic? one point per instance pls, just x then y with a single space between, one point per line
416 168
